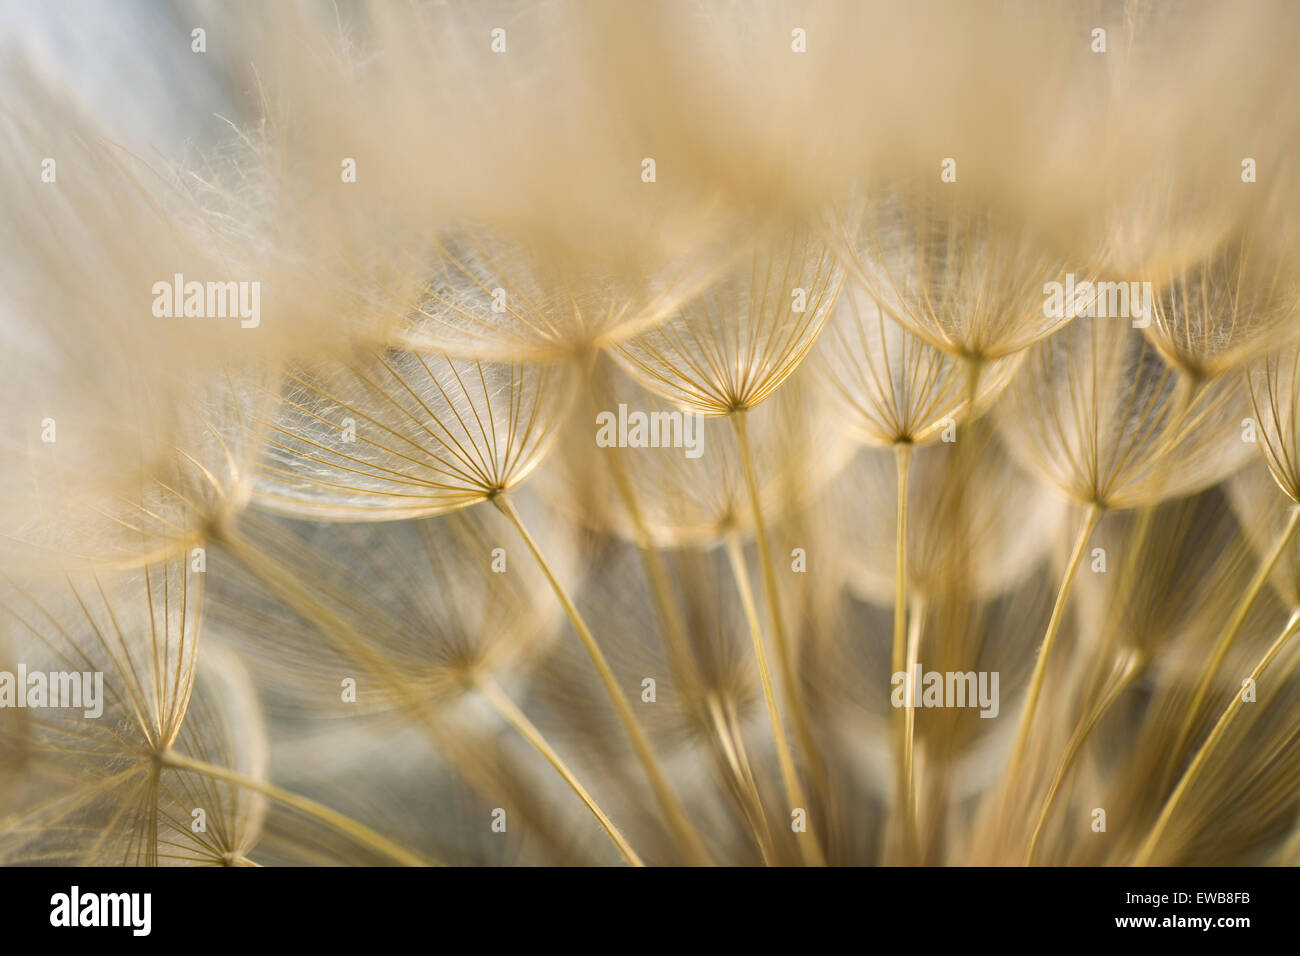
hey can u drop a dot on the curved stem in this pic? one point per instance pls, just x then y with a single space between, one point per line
733 774
1049 639
318 811
289 587
1224 644
1148 848
732 744
677 819
674 627
516 718
1085 727
789 778
784 657
1129 578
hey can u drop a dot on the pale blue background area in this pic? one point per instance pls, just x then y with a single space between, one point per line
129 63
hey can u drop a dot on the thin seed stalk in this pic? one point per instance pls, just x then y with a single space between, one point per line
674 628
345 639
915 624
785 659
1148 848
516 718
733 777
1049 639
974 371
681 826
1131 669
789 777
357 831
742 778
1186 389
901 658
1235 624
680 656
1129 577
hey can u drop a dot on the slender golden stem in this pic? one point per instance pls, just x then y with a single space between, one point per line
1148 848
484 777
903 458
747 795
343 824
1130 575
677 819
516 718
915 626
789 777
733 775
1085 727
912 820
904 719
974 369
1049 639
785 659
674 628
1224 644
